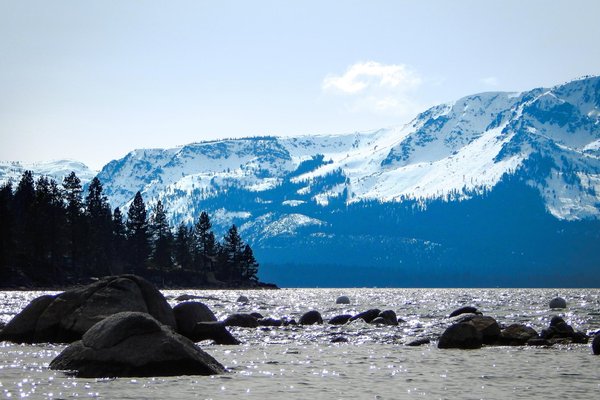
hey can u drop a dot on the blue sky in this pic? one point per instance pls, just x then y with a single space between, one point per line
92 80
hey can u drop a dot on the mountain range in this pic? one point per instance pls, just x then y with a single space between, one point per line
494 189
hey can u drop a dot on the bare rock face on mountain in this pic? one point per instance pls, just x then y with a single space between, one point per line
67 316
134 344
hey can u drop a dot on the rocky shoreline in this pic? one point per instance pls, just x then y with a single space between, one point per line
123 326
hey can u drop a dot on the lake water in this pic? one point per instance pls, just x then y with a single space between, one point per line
302 362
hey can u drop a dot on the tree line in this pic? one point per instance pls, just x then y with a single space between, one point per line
53 234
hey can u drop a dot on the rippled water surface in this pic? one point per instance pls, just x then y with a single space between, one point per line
302 362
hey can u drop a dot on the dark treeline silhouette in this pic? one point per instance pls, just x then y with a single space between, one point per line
54 235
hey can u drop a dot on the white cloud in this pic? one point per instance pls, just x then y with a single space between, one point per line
371 74
378 88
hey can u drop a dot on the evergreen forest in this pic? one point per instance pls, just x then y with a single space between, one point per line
52 235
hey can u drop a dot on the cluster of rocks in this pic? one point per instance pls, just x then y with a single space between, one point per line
471 330
120 326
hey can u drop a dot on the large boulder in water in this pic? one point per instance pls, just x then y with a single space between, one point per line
188 314
340 319
342 300
67 316
461 336
131 344
558 302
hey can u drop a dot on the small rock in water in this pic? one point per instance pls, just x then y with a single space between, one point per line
243 299
558 302
339 339
215 331
464 310
418 342
487 326
367 316
241 320
340 319
596 345
389 316
257 315
310 318
342 300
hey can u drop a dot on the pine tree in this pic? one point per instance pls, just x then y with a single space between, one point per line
182 246
75 227
119 242
137 234
232 254
249 266
6 228
99 224
203 245
24 198
162 238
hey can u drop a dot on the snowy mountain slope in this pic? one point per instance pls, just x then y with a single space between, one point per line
57 170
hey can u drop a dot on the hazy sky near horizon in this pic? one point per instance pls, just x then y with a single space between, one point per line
92 80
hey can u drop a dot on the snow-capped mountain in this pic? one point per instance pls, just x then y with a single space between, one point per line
452 150
57 170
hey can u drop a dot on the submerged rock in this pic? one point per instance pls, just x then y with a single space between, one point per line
310 318
461 336
558 302
67 316
342 300
134 344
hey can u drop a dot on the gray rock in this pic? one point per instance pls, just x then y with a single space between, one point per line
461 336
134 344
270 322
418 342
213 330
389 316
596 345
188 314
558 302
242 299
257 315
340 319
367 316
310 318
241 320
487 326
339 339
67 316
517 335
464 310
342 300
